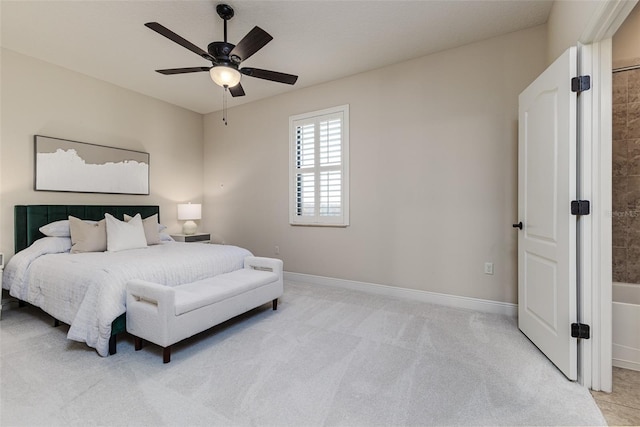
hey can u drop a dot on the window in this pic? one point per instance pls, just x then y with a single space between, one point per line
319 167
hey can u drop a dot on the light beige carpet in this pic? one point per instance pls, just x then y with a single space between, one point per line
326 357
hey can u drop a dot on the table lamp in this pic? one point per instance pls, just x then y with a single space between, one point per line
189 212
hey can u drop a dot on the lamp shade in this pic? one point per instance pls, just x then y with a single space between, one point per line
225 76
189 211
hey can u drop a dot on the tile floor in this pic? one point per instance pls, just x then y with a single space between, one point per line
622 406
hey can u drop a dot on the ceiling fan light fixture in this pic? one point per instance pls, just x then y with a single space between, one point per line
223 75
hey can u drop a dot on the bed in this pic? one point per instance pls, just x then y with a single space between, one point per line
87 290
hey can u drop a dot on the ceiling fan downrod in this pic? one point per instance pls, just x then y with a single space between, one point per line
225 12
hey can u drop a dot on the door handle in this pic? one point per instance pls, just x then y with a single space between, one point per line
518 225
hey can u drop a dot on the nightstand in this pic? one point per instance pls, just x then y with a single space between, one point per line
192 238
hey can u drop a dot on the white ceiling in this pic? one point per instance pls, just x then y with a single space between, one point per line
317 40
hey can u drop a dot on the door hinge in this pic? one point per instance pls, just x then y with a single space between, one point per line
580 330
580 83
580 207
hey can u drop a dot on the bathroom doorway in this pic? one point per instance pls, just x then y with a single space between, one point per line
626 193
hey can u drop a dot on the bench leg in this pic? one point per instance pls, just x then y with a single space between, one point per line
138 343
56 323
112 345
166 354
275 304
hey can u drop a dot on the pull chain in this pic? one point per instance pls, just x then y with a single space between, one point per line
224 105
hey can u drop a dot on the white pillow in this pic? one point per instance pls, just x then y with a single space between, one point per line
125 235
56 229
151 228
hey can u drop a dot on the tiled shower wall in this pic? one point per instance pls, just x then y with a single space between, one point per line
626 176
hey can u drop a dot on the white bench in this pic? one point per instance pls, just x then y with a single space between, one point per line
165 315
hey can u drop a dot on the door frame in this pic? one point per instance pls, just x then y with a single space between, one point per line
595 109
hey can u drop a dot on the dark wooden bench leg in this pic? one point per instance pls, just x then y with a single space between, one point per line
166 354
275 304
56 323
138 343
112 345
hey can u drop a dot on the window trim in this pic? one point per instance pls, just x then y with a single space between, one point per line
318 220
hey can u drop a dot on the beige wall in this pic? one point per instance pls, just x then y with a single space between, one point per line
433 172
626 41
567 22
40 98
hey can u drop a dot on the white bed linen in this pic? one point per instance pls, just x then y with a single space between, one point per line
87 290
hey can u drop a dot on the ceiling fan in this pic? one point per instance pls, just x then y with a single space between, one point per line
226 57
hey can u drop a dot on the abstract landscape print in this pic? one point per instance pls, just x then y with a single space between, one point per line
63 165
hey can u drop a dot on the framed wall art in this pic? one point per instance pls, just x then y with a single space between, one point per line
63 165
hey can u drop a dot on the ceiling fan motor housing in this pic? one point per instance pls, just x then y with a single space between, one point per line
220 52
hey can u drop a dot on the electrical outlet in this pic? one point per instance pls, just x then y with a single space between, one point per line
488 268
277 250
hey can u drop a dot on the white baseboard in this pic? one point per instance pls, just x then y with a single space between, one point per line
626 357
486 306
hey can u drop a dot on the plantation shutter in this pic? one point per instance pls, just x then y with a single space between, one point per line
319 147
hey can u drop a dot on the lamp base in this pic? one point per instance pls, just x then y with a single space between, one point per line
189 228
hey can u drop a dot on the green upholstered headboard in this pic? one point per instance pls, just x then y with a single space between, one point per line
29 218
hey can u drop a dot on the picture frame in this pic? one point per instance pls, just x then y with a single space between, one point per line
79 167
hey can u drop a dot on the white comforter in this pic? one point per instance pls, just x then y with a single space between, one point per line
87 290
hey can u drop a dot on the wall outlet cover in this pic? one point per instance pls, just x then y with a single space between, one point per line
488 268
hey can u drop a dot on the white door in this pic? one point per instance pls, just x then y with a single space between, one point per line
547 296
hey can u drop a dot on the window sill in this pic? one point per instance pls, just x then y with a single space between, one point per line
318 225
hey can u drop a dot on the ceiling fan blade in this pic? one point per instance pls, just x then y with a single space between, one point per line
237 90
255 40
274 76
162 30
182 70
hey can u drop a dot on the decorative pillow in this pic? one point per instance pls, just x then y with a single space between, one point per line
164 237
151 228
87 236
56 229
125 235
